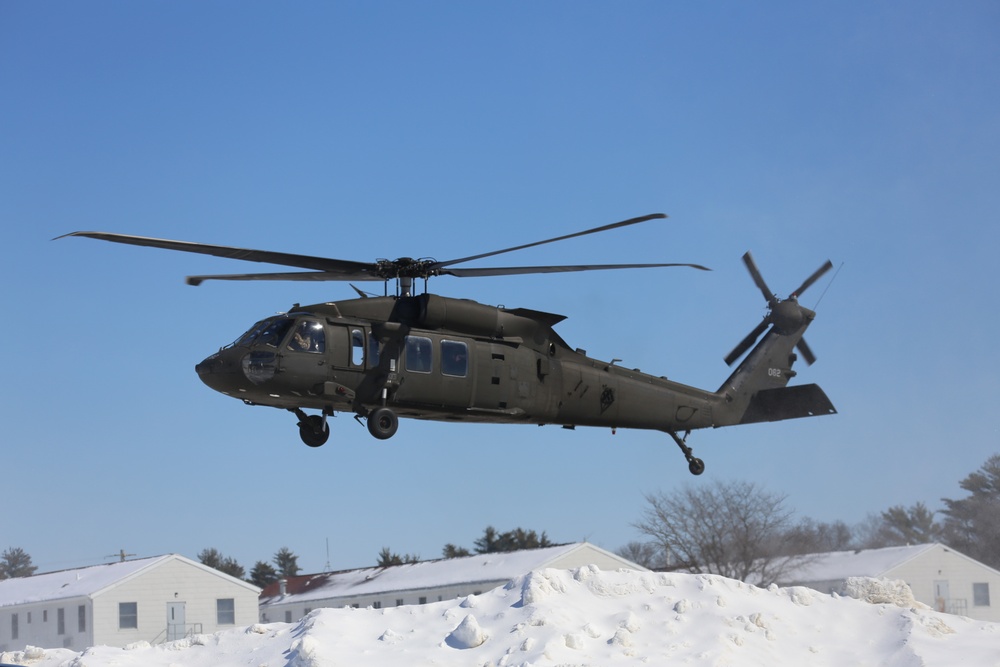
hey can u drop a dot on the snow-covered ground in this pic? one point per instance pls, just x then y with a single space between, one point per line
590 617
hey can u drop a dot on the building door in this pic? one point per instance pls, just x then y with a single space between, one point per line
941 595
175 621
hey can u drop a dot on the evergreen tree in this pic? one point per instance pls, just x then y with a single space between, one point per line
263 574
287 563
386 558
214 559
512 540
15 562
972 524
452 551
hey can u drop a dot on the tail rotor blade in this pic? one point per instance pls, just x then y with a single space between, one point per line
747 342
807 353
813 278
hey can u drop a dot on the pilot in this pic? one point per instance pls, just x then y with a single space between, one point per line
302 339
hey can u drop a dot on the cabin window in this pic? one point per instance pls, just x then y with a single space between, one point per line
128 615
418 354
357 347
13 626
373 355
288 616
454 358
225 611
308 337
60 621
981 595
81 618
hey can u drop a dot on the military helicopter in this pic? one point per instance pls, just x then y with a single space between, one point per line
425 356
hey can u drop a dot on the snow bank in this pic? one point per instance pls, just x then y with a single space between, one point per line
881 591
588 616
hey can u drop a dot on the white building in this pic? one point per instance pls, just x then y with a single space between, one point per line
423 582
939 576
150 599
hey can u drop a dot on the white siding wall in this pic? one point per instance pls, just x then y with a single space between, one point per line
43 627
172 581
943 564
276 612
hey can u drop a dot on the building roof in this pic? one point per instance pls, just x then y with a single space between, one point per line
483 568
836 565
86 581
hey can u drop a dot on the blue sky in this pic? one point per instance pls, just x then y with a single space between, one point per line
863 132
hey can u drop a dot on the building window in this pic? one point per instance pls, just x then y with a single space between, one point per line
308 610
13 626
45 616
81 618
128 615
981 595
60 621
422 600
29 617
399 602
377 604
225 611
288 616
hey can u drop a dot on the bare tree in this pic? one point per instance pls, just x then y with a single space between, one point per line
735 529
648 554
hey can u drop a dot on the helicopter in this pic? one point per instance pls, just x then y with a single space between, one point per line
426 356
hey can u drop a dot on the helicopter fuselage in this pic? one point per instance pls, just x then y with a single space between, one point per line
437 358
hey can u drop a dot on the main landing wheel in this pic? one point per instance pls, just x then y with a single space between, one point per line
696 466
382 423
314 431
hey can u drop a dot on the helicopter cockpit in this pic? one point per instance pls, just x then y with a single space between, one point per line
308 334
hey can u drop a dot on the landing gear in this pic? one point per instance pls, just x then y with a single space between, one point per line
695 465
382 423
313 429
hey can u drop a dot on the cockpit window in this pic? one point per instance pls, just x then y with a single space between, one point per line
275 331
308 337
251 334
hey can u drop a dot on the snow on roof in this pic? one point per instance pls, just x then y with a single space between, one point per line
837 565
485 568
65 584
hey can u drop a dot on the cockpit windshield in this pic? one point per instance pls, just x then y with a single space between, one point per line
267 332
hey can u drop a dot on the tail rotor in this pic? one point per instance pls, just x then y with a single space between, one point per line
785 315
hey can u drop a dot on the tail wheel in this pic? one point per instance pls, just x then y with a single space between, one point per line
382 423
314 431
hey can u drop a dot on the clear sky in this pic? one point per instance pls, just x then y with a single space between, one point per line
863 132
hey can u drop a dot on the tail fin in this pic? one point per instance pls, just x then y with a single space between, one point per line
757 391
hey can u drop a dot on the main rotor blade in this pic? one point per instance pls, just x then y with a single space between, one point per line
300 276
521 270
807 353
813 278
745 344
245 254
757 278
604 228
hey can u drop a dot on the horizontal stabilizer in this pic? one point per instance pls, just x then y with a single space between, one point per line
771 405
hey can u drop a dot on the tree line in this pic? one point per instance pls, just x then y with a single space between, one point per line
742 531
735 529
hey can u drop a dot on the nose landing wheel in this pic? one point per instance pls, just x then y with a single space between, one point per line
313 429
